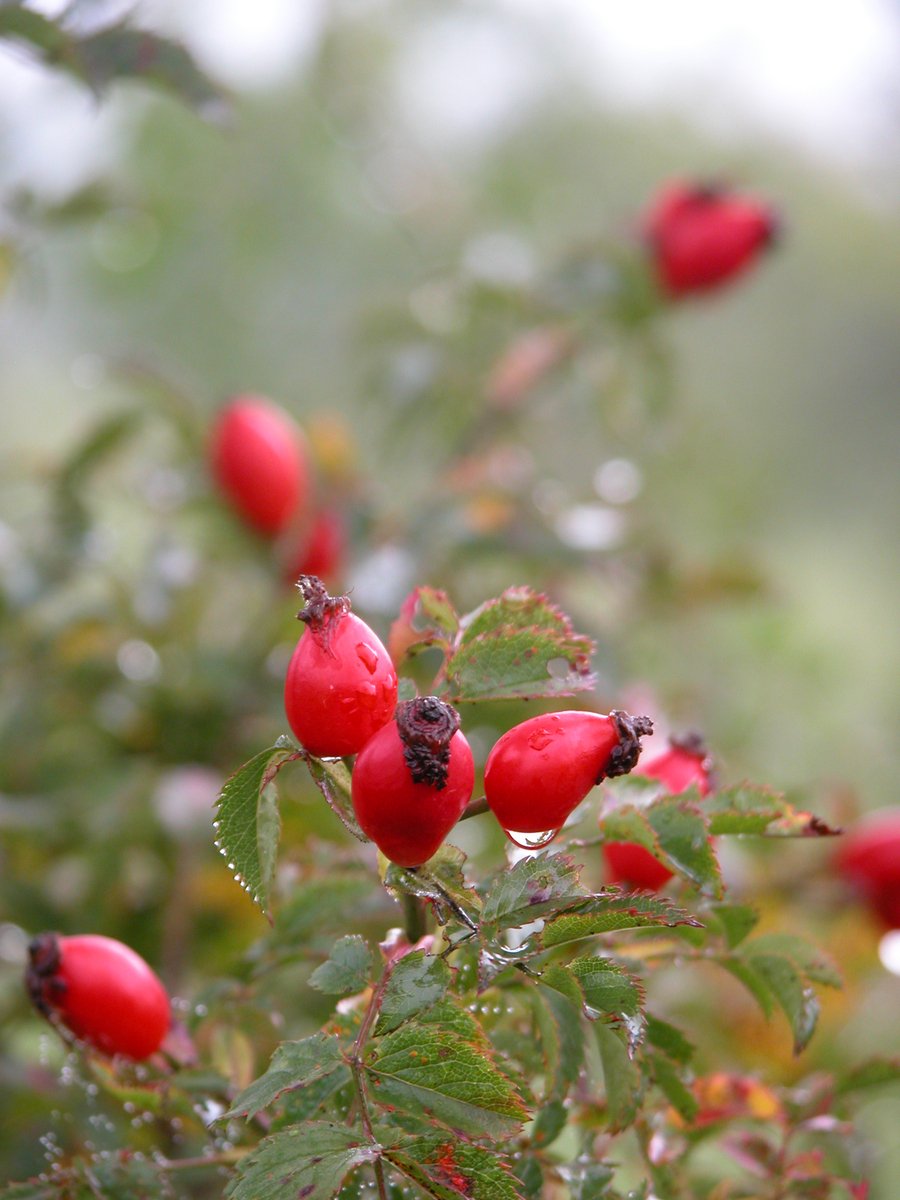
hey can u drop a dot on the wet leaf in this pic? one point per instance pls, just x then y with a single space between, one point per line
431 1068
532 888
519 645
347 970
748 808
293 1065
417 981
622 1078
612 911
248 823
604 988
332 779
310 1161
447 1168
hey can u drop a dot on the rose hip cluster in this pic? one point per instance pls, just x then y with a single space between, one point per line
414 772
261 463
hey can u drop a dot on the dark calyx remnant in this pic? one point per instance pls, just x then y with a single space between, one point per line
624 756
426 726
44 961
320 611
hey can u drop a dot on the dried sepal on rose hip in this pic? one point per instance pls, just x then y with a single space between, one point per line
412 781
101 991
341 686
685 764
538 772
258 457
702 236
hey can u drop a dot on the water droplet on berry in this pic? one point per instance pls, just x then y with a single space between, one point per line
367 656
531 841
540 739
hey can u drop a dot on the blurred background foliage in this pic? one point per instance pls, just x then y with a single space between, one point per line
711 491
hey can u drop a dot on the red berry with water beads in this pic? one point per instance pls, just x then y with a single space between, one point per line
703 236
685 764
868 858
101 991
412 781
258 457
540 770
341 686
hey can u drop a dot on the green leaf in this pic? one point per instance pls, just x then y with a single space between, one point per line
750 978
293 1065
247 822
416 982
347 970
430 1067
604 989
590 1180
748 808
440 880
530 1174
534 887
332 779
447 1168
796 999
320 905
559 1023
116 52
427 618
611 911
814 964
682 835
670 1040
301 1104
311 1161
668 1079
103 440
518 646
549 1124
735 920
873 1073
122 53
622 1078
31 1189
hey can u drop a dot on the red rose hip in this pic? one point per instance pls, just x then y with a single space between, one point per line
684 764
412 781
257 456
100 990
540 770
704 236
341 686
322 550
868 858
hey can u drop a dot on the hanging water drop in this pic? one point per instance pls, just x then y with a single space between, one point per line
532 841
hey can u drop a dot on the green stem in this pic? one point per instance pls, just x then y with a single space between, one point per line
475 808
359 1075
415 918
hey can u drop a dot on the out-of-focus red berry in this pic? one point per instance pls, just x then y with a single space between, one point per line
703 236
868 857
101 990
684 764
258 458
322 551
